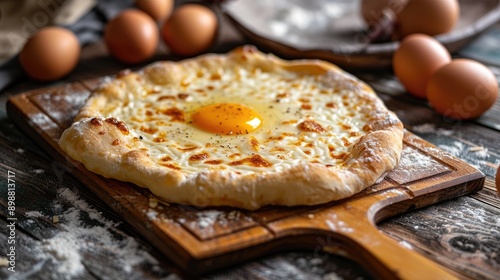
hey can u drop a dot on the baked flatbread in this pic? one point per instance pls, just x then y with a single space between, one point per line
243 129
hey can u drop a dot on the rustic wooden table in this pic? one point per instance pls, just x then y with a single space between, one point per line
63 231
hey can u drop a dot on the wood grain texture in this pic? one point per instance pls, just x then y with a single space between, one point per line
471 243
32 232
232 236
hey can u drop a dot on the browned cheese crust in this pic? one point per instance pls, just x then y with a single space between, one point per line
108 146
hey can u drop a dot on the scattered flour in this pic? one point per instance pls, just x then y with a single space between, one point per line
67 248
412 160
474 155
469 152
54 102
413 163
425 128
33 214
208 218
332 276
455 150
480 152
152 214
337 225
431 128
405 244
64 248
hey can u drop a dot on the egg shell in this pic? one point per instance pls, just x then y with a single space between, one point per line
132 36
416 59
431 17
191 30
462 89
50 54
157 9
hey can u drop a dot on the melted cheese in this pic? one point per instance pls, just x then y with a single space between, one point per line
303 120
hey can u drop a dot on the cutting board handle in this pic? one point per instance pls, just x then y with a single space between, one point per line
386 258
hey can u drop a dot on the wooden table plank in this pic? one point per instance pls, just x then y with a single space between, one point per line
488 194
38 200
29 265
462 233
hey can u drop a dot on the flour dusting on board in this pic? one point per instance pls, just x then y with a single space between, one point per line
405 244
337 225
70 249
207 219
415 165
53 103
413 159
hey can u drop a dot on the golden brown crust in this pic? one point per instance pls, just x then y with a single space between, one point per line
106 147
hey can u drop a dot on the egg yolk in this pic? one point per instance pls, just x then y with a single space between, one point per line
226 118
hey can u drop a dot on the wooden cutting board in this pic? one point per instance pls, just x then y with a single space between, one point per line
200 240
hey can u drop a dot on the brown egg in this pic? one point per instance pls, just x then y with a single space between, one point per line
429 17
158 9
50 54
132 36
371 10
190 30
462 89
416 59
